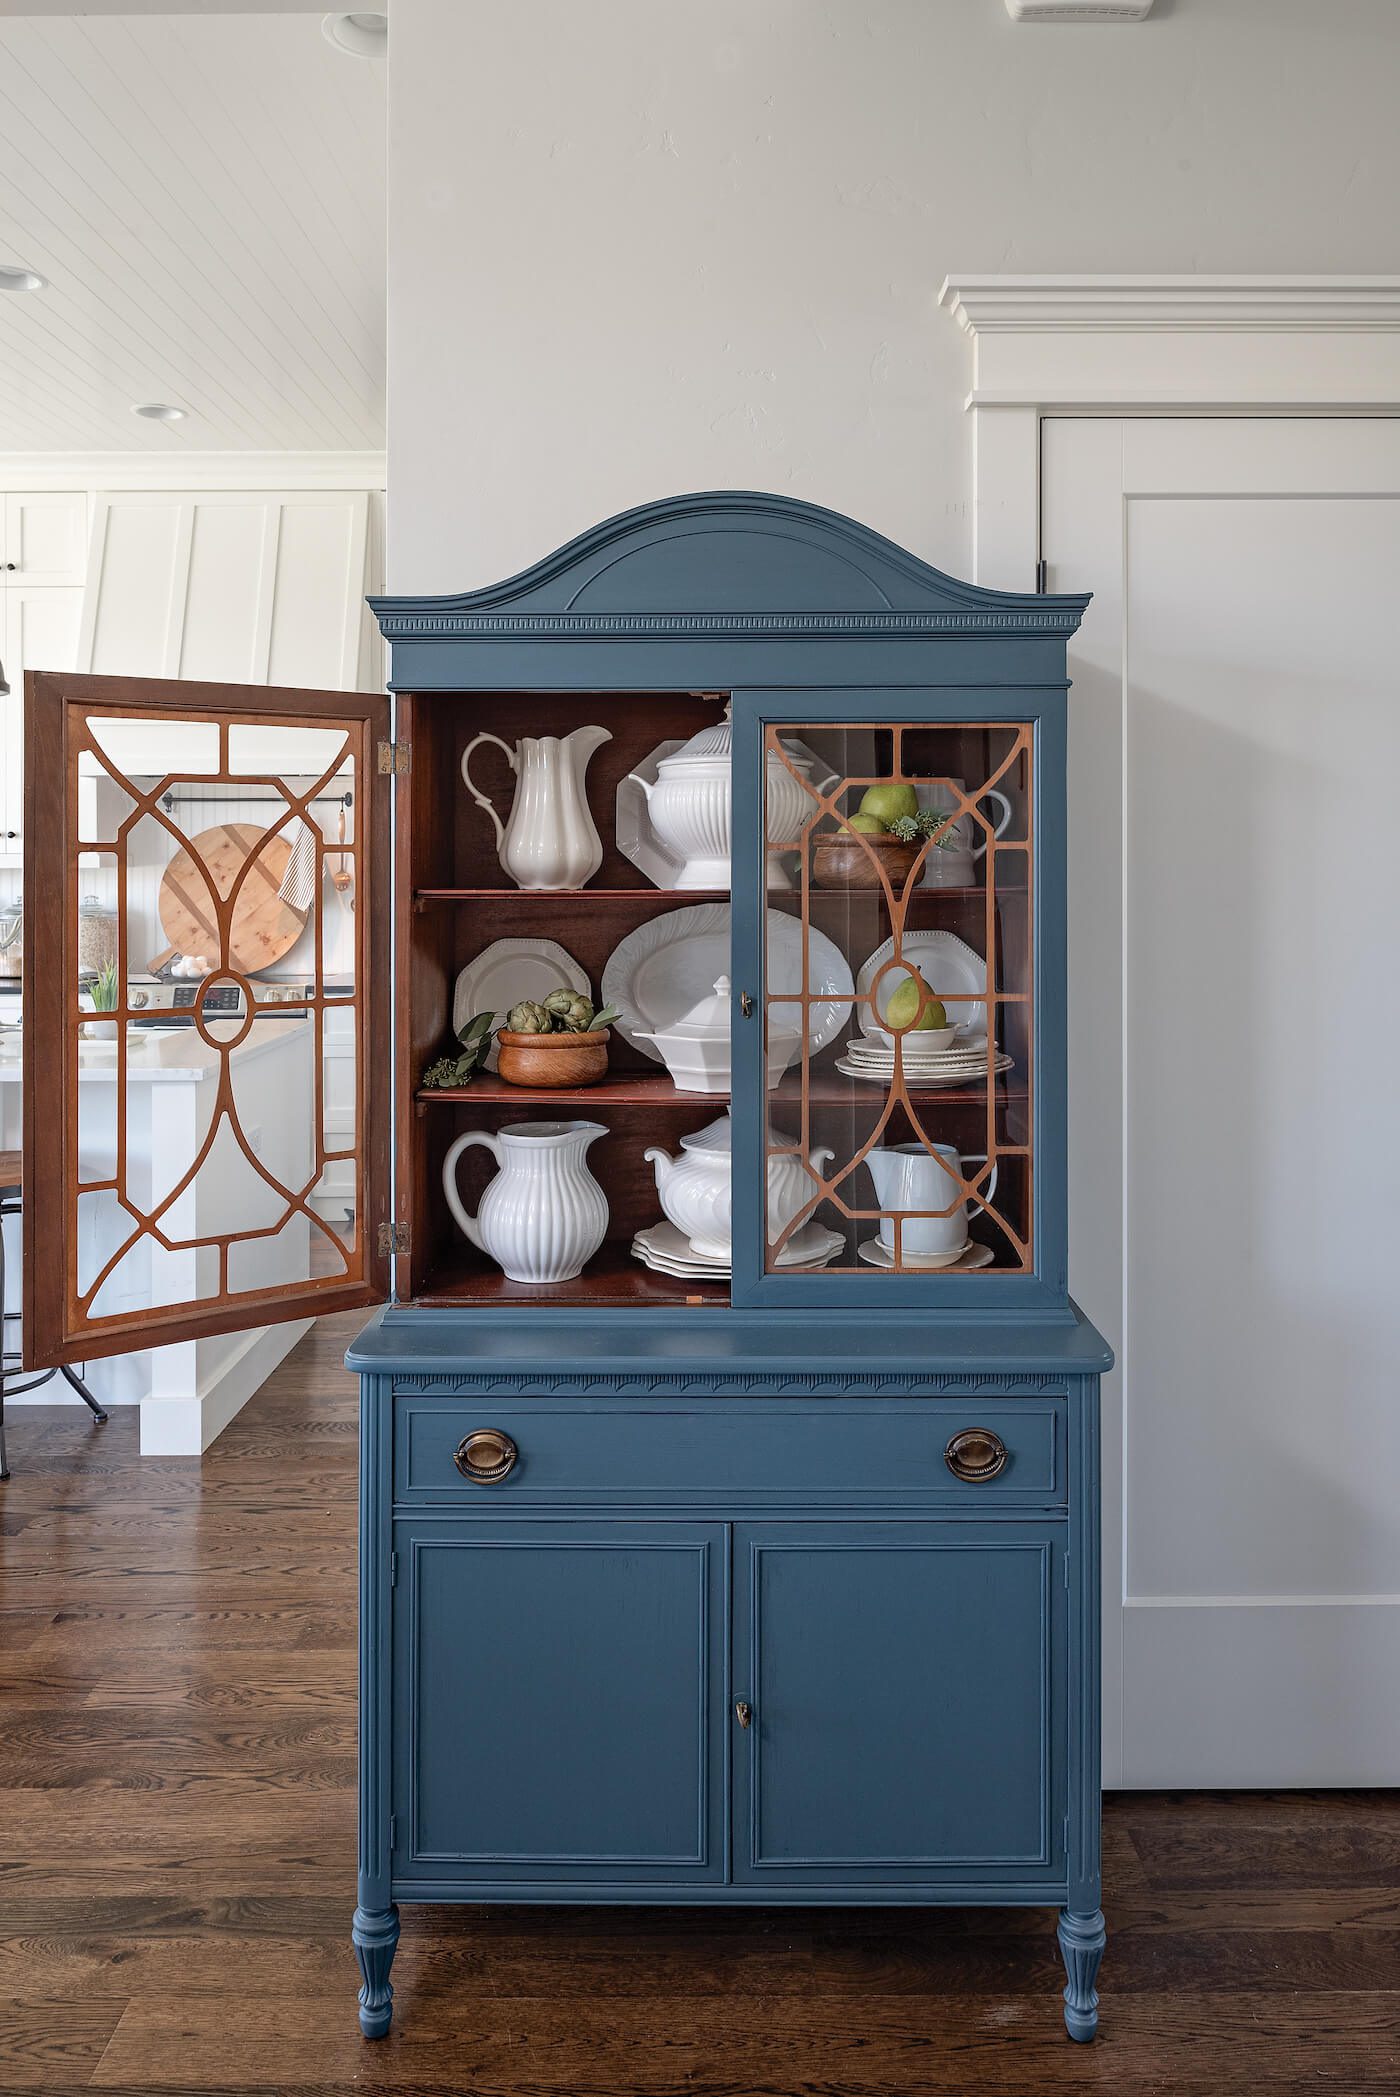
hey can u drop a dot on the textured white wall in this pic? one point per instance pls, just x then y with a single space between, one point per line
641 246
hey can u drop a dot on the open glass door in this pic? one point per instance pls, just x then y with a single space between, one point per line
206 1000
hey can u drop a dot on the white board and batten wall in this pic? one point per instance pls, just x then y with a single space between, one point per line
1234 995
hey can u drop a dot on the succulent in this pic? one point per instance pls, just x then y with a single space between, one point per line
529 1018
104 990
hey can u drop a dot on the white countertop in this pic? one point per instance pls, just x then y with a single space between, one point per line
166 1055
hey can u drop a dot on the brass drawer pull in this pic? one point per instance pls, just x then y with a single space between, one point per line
486 1455
975 1453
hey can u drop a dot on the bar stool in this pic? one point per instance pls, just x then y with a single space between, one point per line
12 1204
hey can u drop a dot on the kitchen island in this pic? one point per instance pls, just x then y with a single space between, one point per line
189 1391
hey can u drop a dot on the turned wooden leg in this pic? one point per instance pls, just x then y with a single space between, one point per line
1081 1946
376 1934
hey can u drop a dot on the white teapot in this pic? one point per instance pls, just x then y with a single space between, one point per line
696 1189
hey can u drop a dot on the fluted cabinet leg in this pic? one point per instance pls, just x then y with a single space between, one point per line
376 1934
1081 1946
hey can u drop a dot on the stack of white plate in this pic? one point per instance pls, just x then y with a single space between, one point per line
668 1251
965 1063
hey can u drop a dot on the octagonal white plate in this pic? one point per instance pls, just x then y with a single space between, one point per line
660 971
947 964
509 970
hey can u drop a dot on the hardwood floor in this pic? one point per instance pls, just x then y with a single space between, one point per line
177 1707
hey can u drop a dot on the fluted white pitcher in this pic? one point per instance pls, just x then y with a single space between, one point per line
550 839
543 1215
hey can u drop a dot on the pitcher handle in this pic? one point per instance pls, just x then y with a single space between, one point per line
999 828
480 799
449 1179
979 1157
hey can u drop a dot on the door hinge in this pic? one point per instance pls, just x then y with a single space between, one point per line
1042 583
393 1237
395 757
393 1833
393 1569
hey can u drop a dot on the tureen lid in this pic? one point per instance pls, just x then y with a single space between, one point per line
704 1022
715 745
714 1137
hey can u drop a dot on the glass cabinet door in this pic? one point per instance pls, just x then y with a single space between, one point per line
896 1069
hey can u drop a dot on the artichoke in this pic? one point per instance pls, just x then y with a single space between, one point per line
529 1018
570 1011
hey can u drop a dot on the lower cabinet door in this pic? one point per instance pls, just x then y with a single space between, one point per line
906 1703
558 1696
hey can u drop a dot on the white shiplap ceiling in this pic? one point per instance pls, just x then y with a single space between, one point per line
205 195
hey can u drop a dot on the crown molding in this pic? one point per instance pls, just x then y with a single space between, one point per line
1078 10
1063 304
118 470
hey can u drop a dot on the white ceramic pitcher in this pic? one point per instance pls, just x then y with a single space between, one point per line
950 865
543 1215
914 1176
550 840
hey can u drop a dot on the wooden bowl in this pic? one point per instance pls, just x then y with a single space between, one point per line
549 1061
843 862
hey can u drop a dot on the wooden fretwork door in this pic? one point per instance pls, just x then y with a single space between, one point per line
185 1173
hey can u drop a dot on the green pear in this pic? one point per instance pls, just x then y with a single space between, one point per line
902 1007
868 825
890 799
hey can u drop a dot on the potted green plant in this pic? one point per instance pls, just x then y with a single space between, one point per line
547 1045
103 996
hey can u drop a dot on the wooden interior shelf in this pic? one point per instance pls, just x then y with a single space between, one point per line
611 1276
515 896
639 1089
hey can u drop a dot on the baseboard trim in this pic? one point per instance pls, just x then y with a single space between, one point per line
185 1423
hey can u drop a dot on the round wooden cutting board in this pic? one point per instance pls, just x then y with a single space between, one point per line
264 927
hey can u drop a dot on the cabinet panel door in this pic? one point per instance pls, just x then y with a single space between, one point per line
45 539
40 633
558 1686
190 1179
908 1708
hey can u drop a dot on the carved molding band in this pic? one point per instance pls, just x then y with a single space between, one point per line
714 1384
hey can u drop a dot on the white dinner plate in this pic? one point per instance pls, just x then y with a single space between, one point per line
876 1253
509 970
949 966
921 1079
660 972
668 1251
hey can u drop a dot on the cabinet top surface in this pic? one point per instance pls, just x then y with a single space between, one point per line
420 1341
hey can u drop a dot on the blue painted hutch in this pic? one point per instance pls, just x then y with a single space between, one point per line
737 1623
767 1582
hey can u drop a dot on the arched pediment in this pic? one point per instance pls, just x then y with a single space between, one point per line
728 563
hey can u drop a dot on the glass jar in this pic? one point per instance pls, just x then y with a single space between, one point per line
97 936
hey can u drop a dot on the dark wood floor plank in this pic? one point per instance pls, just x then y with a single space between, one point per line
177 1760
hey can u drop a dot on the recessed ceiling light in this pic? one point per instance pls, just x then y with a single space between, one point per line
159 411
15 277
362 35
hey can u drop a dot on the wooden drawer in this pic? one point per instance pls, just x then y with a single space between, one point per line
734 1452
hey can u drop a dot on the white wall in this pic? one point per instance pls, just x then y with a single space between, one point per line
650 245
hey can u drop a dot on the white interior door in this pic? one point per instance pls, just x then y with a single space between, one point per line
1235 1121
